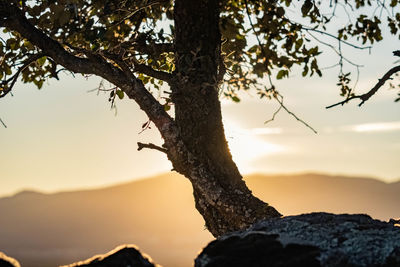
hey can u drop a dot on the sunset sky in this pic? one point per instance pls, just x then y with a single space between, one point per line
64 137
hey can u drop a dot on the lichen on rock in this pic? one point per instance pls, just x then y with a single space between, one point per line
340 240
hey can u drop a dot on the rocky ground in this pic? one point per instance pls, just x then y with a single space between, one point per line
315 239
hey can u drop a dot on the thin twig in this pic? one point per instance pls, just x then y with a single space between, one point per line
274 115
337 38
145 126
2 122
367 95
255 33
277 96
132 13
280 101
339 53
151 146
308 29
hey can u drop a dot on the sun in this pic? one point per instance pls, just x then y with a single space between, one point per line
246 145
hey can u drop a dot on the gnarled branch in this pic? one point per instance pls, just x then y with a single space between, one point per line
151 146
14 19
367 95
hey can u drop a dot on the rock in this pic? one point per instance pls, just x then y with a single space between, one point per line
256 249
395 222
316 239
122 256
6 261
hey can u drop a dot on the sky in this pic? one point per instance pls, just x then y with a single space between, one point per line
65 136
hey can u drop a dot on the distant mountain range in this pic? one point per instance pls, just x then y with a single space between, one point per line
158 215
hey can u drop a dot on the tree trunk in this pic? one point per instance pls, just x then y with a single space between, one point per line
221 195
195 141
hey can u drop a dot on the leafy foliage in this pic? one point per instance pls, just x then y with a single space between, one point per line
260 39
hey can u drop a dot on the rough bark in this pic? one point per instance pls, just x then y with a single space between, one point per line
220 193
195 141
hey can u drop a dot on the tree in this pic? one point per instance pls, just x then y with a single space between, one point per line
201 49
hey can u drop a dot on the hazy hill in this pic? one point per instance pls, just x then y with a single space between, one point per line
158 215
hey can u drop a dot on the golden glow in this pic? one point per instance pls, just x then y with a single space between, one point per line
246 144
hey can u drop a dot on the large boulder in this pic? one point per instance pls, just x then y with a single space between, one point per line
6 261
316 239
122 256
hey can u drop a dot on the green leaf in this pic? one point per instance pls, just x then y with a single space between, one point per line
236 99
120 94
41 61
7 70
299 43
281 74
38 83
305 71
306 7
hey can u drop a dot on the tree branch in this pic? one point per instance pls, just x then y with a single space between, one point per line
151 146
14 19
14 78
153 49
366 96
149 71
143 68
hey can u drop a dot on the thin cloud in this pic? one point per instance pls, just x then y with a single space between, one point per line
366 127
372 127
377 127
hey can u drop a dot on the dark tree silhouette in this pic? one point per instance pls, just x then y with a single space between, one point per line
202 50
